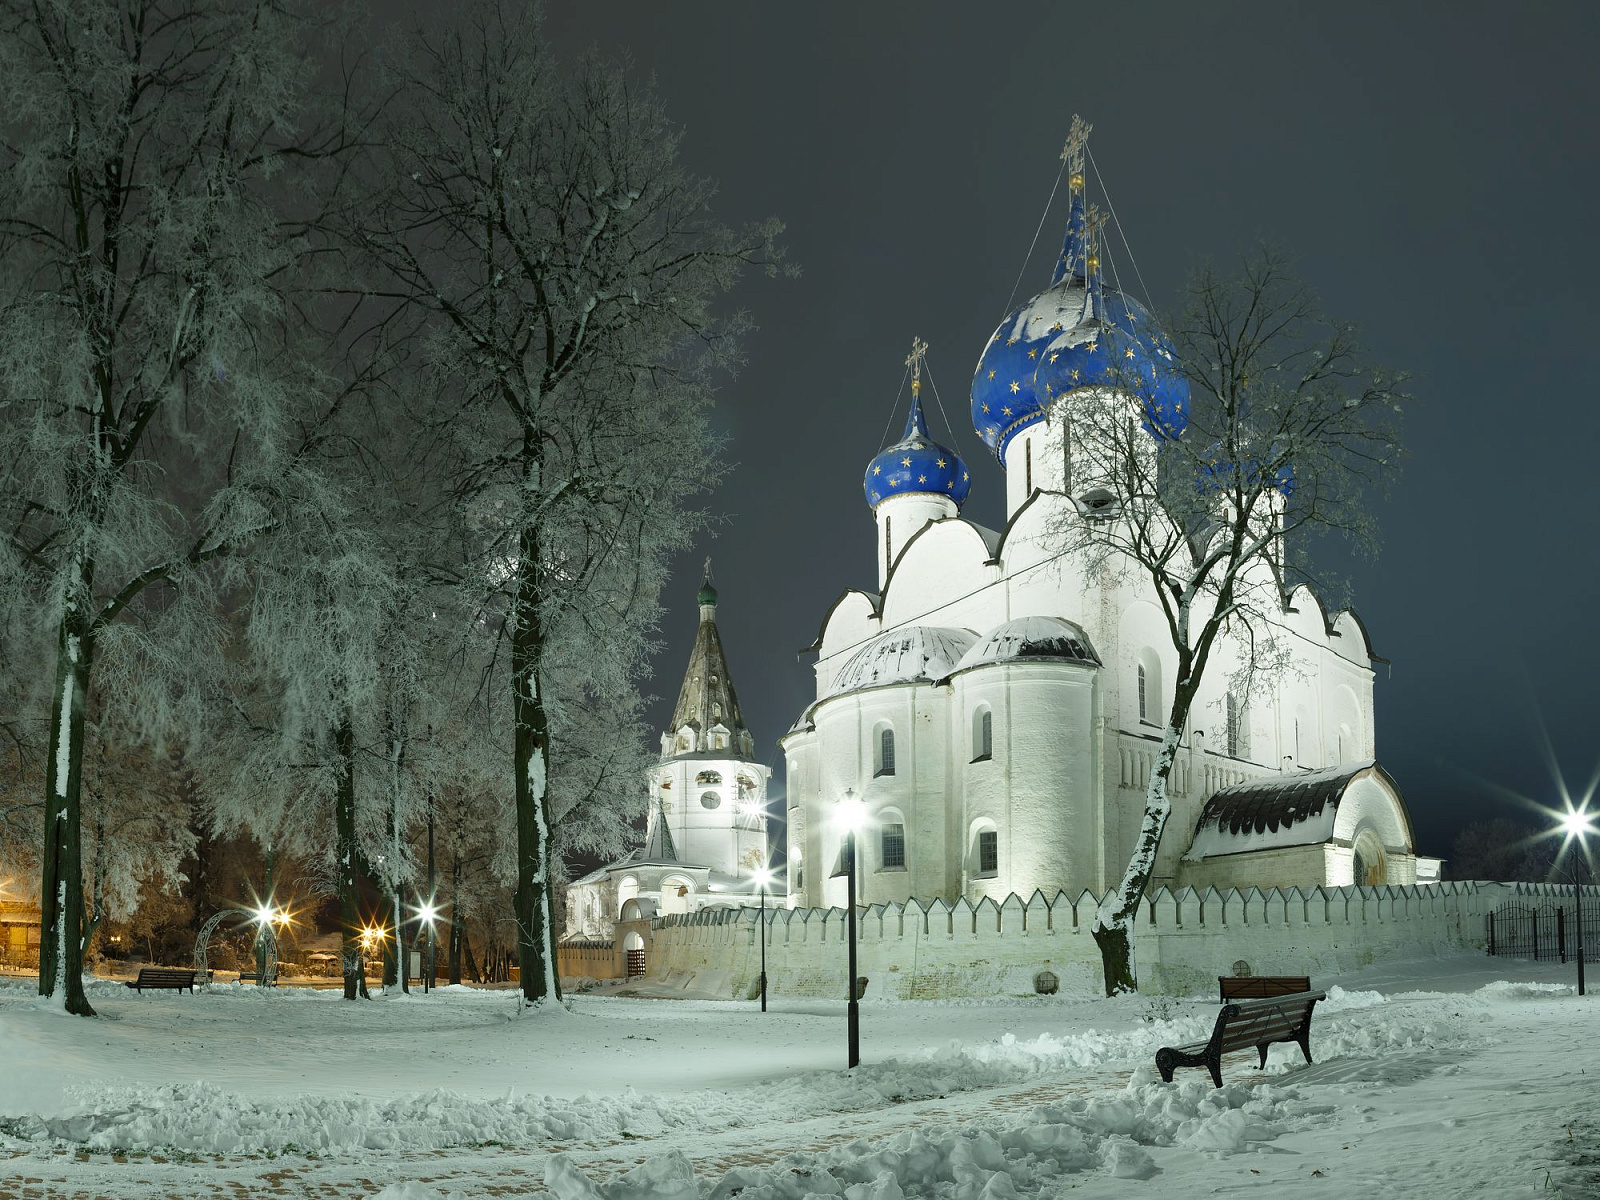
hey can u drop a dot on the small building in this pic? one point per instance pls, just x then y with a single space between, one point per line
20 927
706 835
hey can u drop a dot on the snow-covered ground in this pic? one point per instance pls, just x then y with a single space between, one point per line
1434 1078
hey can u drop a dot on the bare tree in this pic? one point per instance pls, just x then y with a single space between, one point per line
150 407
1206 495
569 264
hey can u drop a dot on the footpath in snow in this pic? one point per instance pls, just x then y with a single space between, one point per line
1447 1075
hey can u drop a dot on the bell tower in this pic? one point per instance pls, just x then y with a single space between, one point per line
708 788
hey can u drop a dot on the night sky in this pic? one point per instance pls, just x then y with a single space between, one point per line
1433 169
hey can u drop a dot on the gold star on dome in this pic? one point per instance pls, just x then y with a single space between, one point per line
991 374
1091 347
905 462
1053 357
1011 341
1033 354
965 477
1056 328
985 408
941 462
922 479
877 470
1005 412
949 483
893 482
1048 390
1128 353
1015 387
1074 373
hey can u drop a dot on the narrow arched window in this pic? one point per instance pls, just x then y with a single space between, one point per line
892 846
982 734
885 752
1233 725
1144 695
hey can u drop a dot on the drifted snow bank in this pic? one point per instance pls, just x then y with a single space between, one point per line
1018 1156
202 1118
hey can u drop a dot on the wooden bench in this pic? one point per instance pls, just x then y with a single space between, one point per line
1255 987
1242 1024
169 978
255 977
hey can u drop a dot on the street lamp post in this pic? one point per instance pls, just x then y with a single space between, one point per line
763 878
852 815
1575 824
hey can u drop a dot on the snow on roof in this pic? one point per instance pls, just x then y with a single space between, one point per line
1266 814
1031 637
906 655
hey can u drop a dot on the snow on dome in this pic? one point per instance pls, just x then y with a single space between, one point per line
1078 333
907 655
1031 637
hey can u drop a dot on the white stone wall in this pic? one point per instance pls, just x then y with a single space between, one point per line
1183 940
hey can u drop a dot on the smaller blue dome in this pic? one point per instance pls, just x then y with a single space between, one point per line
916 463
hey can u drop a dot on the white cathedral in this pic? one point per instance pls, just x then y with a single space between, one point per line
998 706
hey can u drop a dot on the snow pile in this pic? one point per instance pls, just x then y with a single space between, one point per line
1024 1155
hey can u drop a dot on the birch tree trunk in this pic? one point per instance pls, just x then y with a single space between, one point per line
531 762
1114 925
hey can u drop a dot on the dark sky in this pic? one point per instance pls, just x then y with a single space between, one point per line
1434 169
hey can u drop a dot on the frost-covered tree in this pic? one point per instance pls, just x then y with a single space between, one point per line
149 407
569 264
1287 433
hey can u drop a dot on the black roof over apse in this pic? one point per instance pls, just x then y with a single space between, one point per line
1277 803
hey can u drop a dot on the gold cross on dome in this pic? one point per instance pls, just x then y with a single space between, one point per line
1072 153
919 351
1092 223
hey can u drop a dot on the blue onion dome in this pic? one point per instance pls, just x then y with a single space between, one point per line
916 463
1215 475
1078 333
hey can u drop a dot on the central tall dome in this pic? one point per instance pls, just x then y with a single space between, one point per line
1079 333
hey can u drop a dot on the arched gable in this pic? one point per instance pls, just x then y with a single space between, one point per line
1372 800
851 619
1353 641
941 564
1305 615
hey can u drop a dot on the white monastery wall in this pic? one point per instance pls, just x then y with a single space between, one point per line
1183 940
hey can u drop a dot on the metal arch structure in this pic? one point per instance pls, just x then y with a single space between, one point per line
202 942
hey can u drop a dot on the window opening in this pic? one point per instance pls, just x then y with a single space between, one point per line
886 752
894 846
988 852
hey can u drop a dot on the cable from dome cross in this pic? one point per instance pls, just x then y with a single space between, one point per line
1121 232
889 424
1043 217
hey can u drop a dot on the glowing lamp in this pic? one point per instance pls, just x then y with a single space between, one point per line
428 913
761 877
264 915
851 812
1575 823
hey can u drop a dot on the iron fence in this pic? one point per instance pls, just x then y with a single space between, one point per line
1548 931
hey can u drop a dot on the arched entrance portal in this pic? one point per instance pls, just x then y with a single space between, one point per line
265 934
1368 867
633 954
